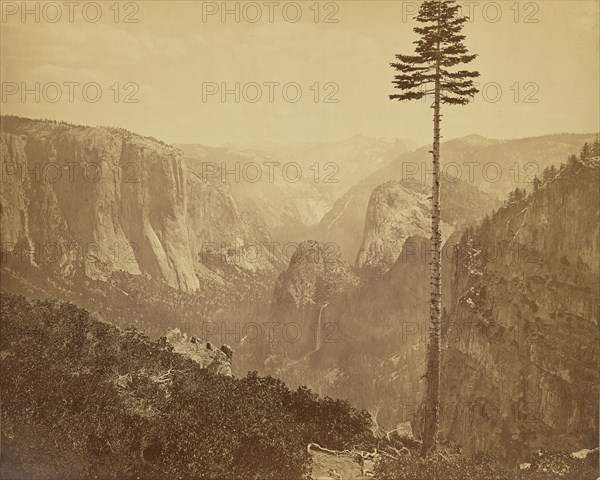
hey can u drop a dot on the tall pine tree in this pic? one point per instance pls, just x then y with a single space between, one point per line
432 71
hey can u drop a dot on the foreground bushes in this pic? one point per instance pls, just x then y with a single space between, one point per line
82 399
454 466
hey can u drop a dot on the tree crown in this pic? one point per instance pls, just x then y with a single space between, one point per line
439 49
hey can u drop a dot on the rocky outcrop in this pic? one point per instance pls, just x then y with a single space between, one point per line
100 200
520 370
375 340
217 360
316 278
316 273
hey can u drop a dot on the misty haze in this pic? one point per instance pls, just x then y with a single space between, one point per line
300 240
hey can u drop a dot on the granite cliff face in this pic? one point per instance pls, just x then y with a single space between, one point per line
396 211
373 346
487 169
294 186
315 274
520 326
382 210
103 199
520 370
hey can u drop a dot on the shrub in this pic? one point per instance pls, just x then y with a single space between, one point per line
447 467
455 466
83 399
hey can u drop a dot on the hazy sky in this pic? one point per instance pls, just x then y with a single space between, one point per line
173 55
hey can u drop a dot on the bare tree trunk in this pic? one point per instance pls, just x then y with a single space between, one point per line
432 398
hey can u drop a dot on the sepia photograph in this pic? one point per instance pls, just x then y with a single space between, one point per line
300 240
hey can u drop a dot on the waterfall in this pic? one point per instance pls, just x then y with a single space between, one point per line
318 336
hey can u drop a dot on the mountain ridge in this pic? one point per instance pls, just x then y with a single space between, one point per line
491 366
